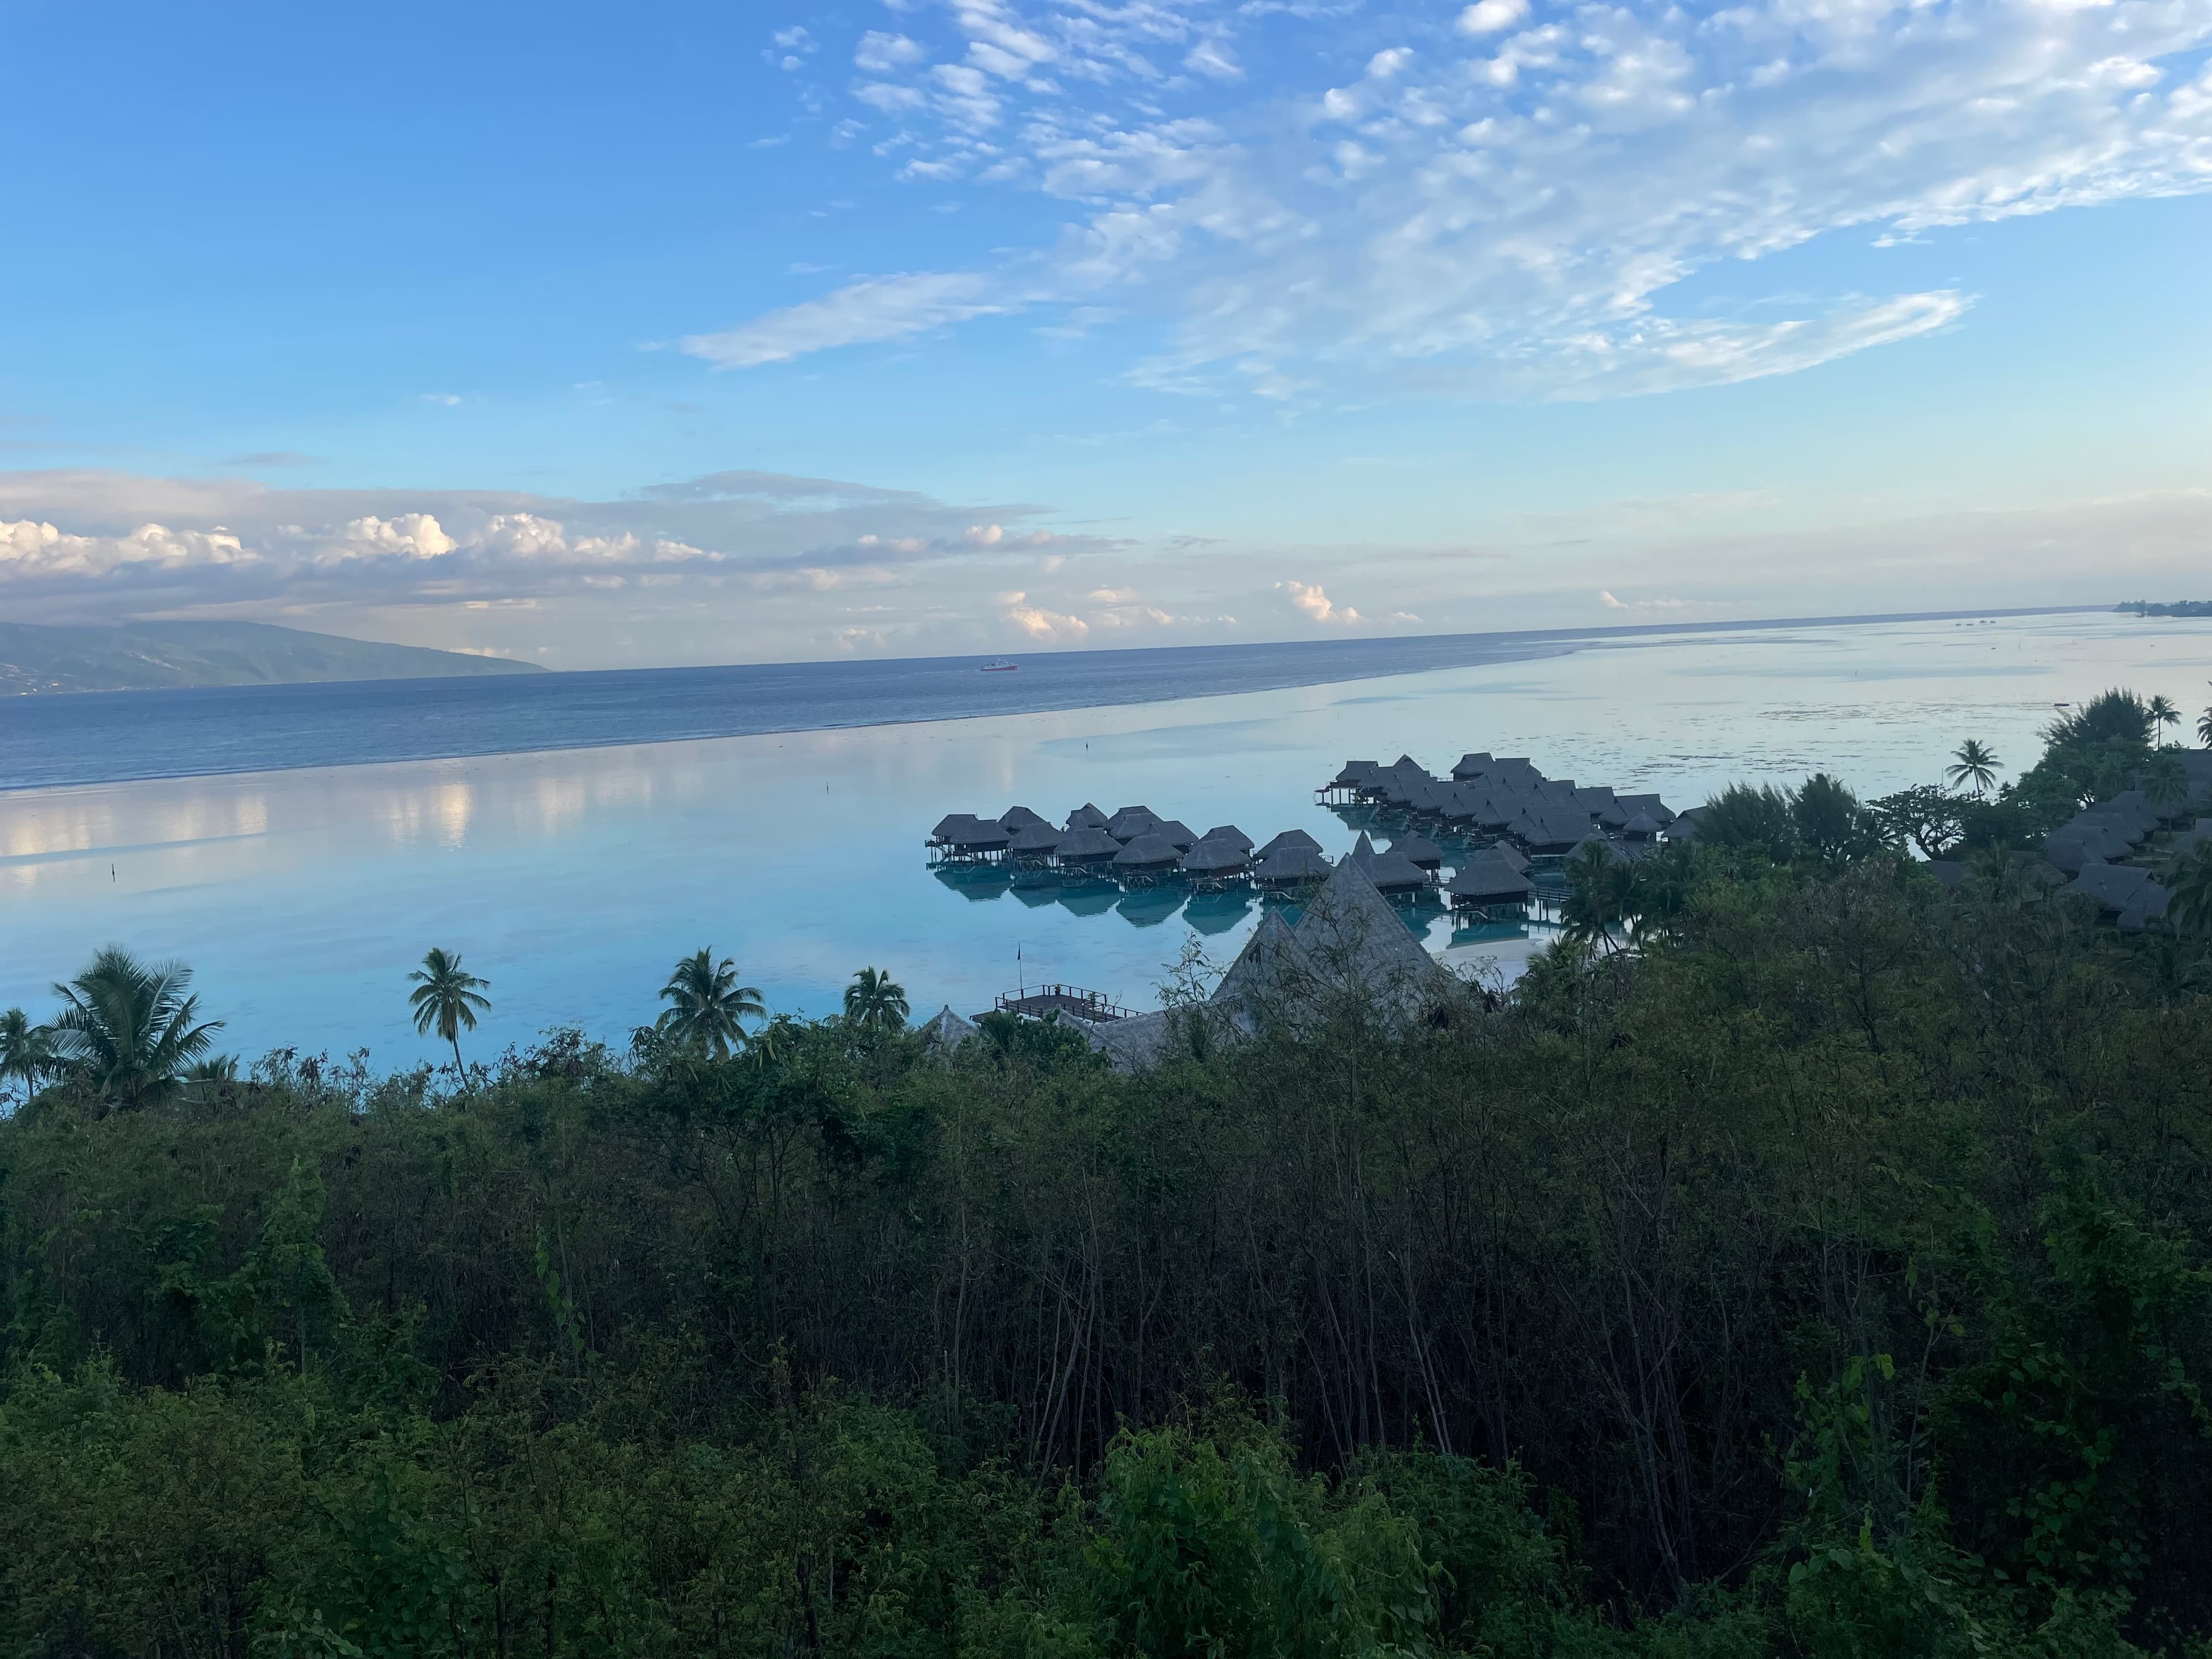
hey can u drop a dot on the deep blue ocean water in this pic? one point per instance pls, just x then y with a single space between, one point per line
112 737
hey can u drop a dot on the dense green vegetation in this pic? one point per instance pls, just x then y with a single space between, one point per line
1821 1271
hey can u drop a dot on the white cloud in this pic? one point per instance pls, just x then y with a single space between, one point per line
1316 606
1528 194
885 54
415 535
1488 16
1040 624
875 308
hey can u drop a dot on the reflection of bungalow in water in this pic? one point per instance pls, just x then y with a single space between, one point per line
1218 912
1148 907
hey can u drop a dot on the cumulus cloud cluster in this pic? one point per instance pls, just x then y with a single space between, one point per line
1496 201
77 536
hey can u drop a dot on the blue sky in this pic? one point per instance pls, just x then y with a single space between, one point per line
604 337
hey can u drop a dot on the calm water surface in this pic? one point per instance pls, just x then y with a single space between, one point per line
572 878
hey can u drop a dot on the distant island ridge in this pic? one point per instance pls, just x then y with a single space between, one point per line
159 656
45 658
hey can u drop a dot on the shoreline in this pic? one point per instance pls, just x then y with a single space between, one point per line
228 712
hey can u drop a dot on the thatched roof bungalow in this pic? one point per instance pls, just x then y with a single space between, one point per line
1289 839
1082 847
1487 879
1419 851
1086 817
1146 853
1230 833
1131 822
1290 867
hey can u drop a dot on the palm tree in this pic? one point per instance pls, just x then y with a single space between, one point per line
2163 713
2190 906
2164 784
874 1000
2204 728
447 998
706 1005
1973 765
128 1030
27 1052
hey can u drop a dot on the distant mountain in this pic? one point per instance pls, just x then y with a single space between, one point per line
159 655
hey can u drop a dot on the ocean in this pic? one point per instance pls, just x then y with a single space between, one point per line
302 847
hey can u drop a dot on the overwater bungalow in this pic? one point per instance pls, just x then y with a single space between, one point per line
1130 821
1086 817
1488 883
1229 832
1473 765
1177 834
1643 829
1291 869
1017 819
1213 864
1547 830
1086 850
1392 872
1288 841
1356 776
1649 805
1034 843
1419 851
1146 860
961 837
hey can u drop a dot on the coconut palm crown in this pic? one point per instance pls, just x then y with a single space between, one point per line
129 1031
447 998
27 1052
1973 767
706 1005
875 1000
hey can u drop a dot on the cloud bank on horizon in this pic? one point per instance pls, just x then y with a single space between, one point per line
1500 199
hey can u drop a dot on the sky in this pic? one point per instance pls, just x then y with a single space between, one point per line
606 337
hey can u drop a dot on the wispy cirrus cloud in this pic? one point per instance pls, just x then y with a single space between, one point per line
1505 200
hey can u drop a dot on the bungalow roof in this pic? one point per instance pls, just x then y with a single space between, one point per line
1086 845
1229 832
1086 817
1419 849
1487 878
1038 837
1213 858
1290 838
1473 764
1147 852
1020 818
1175 833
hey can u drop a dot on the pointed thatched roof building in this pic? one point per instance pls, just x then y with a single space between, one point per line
1229 832
1131 822
1086 817
1015 819
946 1031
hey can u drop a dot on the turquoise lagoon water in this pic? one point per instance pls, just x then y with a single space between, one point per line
571 878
